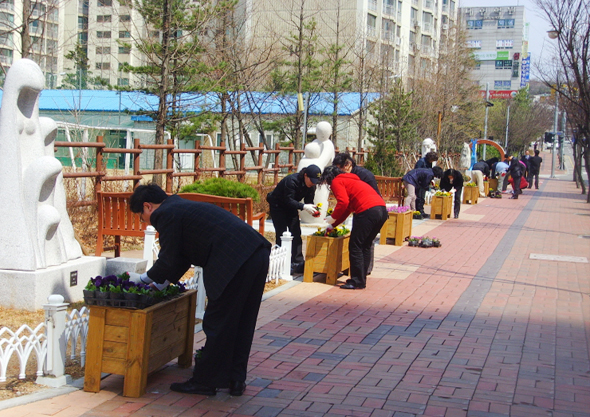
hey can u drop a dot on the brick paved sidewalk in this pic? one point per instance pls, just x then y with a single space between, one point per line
474 328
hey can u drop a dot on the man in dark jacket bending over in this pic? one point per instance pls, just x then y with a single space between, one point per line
234 258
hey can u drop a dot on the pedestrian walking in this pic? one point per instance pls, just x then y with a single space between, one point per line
535 169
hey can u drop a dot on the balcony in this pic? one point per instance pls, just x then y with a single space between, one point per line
388 9
426 27
387 35
371 32
427 4
6 6
373 5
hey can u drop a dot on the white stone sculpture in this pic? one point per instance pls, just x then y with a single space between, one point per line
35 232
428 145
319 152
465 161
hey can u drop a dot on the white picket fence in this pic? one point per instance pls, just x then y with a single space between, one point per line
61 331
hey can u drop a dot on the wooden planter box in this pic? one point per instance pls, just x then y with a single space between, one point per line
470 195
134 343
441 207
493 185
398 227
486 188
328 255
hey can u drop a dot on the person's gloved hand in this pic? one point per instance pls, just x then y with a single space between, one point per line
139 278
160 287
310 208
330 220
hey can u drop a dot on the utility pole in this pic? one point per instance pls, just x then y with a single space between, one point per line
507 121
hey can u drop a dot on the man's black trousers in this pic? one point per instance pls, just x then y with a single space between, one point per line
229 325
283 219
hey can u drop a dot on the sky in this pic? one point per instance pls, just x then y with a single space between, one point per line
539 43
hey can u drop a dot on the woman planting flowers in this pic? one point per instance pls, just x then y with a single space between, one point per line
356 196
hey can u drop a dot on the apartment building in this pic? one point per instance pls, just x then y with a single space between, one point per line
498 37
401 34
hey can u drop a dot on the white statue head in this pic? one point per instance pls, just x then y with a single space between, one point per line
428 145
323 131
313 150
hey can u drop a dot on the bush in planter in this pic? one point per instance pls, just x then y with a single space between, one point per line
222 187
335 232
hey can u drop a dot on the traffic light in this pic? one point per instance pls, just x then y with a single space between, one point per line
548 137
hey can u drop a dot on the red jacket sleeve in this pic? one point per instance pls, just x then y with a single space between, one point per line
341 211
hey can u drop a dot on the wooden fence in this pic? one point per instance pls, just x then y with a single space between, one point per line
263 173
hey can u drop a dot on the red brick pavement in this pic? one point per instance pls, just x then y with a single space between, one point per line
478 329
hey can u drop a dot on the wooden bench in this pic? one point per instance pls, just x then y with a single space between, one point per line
116 219
391 189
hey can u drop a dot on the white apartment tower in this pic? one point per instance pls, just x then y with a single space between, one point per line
498 37
405 34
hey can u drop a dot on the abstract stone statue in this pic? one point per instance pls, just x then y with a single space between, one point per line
319 152
35 233
465 161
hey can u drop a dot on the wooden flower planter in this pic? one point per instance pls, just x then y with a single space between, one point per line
486 188
470 195
441 207
397 227
493 185
134 343
328 255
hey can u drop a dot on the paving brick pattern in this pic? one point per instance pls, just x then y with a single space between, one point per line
474 328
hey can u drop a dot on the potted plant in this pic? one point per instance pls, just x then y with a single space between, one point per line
413 241
327 252
398 226
436 242
441 205
417 215
425 242
470 193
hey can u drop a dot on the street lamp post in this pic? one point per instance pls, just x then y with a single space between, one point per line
555 128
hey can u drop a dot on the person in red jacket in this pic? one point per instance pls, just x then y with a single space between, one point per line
356 196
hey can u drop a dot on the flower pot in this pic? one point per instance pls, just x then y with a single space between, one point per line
89 297
131 299
102 298
436 244
440 207
398 227
327 255
470 195
134 343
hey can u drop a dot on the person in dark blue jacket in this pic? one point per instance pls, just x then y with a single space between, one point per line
347 164
418 179
425 162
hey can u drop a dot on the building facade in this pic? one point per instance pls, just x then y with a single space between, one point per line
498 37
401 34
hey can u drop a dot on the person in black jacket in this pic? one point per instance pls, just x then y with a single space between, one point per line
347 164
534 169
425 162
418 179
452 178
285 203
515 169
234 258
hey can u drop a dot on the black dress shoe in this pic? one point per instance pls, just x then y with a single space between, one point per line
190 387
236 388
351 287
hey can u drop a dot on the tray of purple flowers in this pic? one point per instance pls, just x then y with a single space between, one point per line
119 291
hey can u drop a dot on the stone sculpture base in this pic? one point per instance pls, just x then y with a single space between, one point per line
28 290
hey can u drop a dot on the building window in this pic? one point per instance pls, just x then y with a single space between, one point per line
498 84
507 84
6 17
504 44
125 50
505 23
122 81
103 34
474 24
124 34
100 50
104 18
105 3
474 44
6 56
103 65
125 18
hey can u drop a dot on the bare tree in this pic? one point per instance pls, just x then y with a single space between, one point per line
570 71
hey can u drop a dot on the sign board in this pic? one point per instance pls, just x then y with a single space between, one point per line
500 94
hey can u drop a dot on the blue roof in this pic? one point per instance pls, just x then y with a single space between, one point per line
138 102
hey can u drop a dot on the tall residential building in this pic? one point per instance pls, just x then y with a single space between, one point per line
403 34
498 37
